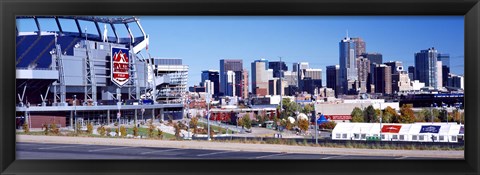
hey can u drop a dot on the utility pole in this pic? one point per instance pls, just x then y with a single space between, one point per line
208 116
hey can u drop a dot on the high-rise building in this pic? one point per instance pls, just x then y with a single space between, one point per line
245 84
402 82
383 79
348 66
439 75
411 73
395 65
456 81
300 67
239 83
276 66
363 66
426 67
213 77
333 77
374 58
311 85
230 83
360 47
275 87
315 74
445 58
260 77
225 66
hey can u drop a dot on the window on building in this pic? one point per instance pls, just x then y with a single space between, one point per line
337 136
383 136
402 137
356 136
414 137
441 138
454 138
364 136
344 136
395 137
434 137
421 137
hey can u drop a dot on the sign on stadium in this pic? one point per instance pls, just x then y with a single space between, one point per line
120 66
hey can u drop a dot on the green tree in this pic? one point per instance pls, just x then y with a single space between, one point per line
369 114
247 122
406 114
289 108
307 109
303 124
357 115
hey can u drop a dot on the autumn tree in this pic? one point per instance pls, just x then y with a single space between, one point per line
303 124
390 115
357 115
406 114
247 122
307 109
193 124
328 125
369 114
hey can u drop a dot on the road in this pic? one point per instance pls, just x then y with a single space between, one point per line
29 150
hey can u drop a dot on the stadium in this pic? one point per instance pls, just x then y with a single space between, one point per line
95 69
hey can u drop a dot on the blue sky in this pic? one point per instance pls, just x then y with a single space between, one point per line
203 41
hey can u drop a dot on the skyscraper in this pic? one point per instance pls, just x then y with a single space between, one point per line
333 78
245 84
228 65
383 79
360 47
348 67
411 73
426 67
374 58
445 58
230 83
260 77
300 67
276 66
363 65
213 76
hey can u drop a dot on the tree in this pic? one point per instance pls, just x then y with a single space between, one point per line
443 115
406 114
307 109
289 108
247 123
357 115
89 128
369 114
123 131
101 130
159 133
26 129
288 125
135 131
151 128
193 124
177 130
328 125
390 115
303 124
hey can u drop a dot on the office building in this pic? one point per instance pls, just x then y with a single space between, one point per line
402 82
260 77
411 73
213 77
245 84
226 65
333 77
276 66
363 66
383 79
300 69
348 68
360 47
230 83
439 75
426 67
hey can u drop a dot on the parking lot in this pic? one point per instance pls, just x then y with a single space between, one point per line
30 150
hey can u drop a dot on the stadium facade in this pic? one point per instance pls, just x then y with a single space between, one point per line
102 75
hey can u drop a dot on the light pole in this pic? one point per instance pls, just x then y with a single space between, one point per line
75 113
431 112
380 119
316 125
208 116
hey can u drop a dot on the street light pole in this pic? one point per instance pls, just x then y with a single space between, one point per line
431 112
75 113
208 116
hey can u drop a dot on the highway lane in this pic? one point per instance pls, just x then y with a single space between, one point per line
83 151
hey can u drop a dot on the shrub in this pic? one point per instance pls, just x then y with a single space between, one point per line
54 129
101 130
78 128
303 124
109 130
26 129
193 123
117 131
135 131
89 128
151 128
45 128
328 125
177 130
159 133
123 131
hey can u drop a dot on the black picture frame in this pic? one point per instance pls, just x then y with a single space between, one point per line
9 9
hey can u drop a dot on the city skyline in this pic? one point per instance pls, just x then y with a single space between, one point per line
312 39
300 39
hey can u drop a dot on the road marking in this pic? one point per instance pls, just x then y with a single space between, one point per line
333 157
158 151
215 153
55 147
108 149
271 155
404 157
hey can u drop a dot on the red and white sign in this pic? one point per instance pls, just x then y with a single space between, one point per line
338 117
120 66
391 128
